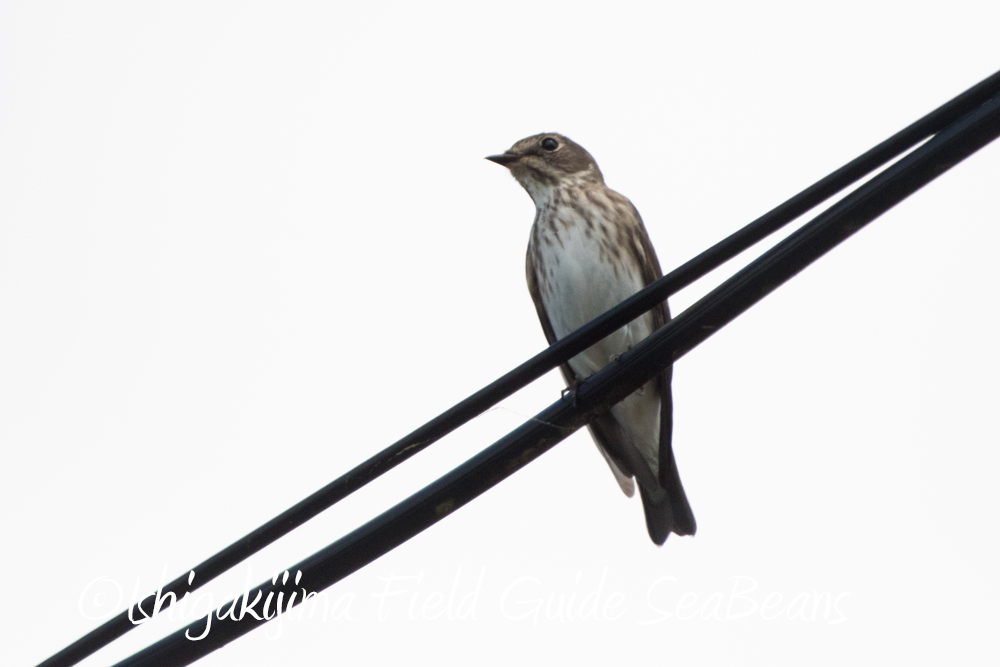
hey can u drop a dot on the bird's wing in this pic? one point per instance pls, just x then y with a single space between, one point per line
681 519
642 248
603 429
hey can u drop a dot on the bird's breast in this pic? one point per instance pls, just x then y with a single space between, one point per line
583 270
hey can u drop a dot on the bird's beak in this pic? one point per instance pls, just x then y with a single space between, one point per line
504 159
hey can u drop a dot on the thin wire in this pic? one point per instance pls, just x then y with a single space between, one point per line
532 369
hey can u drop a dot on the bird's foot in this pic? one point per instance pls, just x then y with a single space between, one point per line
617 357
571 389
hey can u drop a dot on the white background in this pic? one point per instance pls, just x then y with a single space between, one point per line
244 246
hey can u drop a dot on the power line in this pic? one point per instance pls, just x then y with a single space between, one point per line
598 393
535 367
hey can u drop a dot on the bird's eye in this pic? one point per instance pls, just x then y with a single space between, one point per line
550 144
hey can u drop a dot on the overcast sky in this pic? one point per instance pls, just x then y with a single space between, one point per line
244 246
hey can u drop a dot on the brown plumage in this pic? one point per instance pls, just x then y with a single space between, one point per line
589 251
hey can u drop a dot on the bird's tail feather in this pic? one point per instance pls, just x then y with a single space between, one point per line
667 508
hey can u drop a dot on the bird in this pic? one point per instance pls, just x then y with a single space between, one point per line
588 251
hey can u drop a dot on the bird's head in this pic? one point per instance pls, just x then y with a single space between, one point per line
547 161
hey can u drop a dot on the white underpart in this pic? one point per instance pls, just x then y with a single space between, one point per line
626 483
583 286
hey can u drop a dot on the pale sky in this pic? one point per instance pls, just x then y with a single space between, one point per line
245 246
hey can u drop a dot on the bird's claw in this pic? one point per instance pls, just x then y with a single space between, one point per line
617 357
571 389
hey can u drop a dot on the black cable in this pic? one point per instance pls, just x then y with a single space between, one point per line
532 369
599 392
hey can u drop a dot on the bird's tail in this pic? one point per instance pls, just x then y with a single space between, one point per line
667 509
